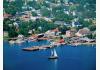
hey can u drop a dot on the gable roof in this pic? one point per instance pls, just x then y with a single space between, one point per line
84 31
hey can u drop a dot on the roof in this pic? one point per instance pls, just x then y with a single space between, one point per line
55 30
60 22
86 39
77 23
6 15
84 31
20 36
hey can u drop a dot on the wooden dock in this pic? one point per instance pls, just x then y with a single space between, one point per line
35 48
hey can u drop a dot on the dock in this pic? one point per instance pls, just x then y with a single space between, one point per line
35 48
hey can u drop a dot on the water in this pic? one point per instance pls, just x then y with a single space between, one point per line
70 58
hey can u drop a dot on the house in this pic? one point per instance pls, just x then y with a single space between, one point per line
39 17
66 12
73 13
68 33
71 33
67 25
33 10
10 0
54 32
47 2
38 12
20 37
66 4
16 24
5 33
29 0
76 19
47 19
87 19
75 24
30 31
85 39
65 1
24 7
33 18
60 22
5 15
83 32
50 33
10 25
25 17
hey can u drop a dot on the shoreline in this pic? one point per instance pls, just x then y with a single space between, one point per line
48 47
88 43
76 44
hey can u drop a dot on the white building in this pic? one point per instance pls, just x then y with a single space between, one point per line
5 33
73 25
20 36
10 0
16 24
66 12
73 13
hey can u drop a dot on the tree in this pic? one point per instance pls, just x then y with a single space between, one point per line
13 7
61 16
6 23
34 14
84 23
91 36
92 27
24 28
63 29
12 32
45 12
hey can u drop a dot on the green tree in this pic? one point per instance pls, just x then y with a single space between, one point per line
6 23
24 28
45 12
34 14
92 27
12 32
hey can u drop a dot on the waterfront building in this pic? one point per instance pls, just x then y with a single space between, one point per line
83 32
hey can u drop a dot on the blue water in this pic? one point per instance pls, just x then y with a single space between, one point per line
70 58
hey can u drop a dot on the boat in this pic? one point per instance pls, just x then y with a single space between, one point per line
75 44
19 41
53 54
11 41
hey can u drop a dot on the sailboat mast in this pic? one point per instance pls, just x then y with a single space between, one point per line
52 53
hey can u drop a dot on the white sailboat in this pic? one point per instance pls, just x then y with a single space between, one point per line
53 54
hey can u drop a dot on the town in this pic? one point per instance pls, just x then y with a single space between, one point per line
36 20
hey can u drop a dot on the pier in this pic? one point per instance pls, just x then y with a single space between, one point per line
35 48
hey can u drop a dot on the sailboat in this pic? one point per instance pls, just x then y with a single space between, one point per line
53 54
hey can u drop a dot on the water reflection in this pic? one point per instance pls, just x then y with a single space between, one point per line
54 64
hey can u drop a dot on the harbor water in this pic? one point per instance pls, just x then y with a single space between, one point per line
82 57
